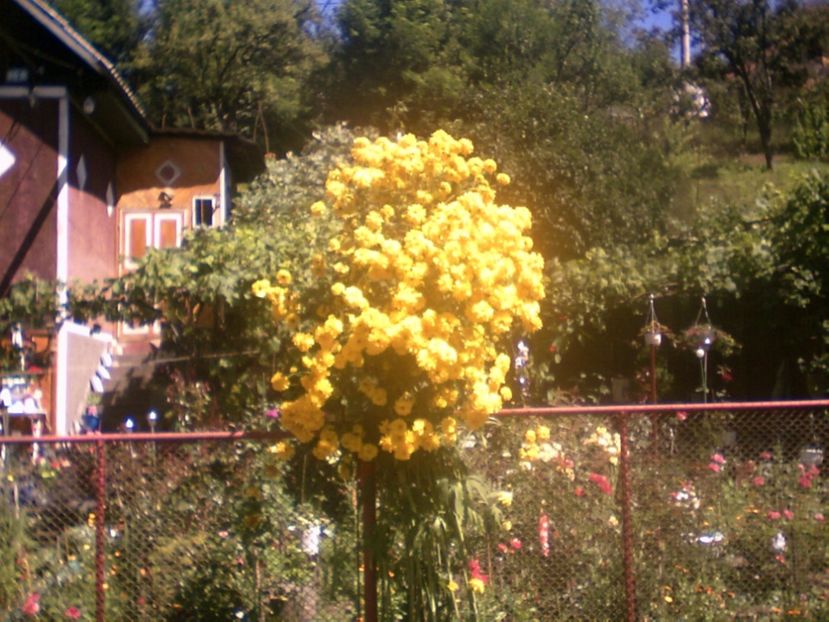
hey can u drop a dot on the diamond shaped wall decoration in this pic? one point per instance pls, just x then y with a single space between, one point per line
168 173
7 159
80 172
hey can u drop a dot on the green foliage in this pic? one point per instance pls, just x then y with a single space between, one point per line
396 57
551 91
799 235
116 27
766 261
13 539
31 300
811 134
580 173
240 66
434 509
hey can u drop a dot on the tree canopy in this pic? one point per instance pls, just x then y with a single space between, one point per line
589 115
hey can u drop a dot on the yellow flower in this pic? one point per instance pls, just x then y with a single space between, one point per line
403 405
303 341
452 586
283 450
477 585
379 397
260 288
280 382
418 229
283 277
505 498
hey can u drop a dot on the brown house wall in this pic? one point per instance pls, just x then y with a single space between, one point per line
28 191
93 238
197 159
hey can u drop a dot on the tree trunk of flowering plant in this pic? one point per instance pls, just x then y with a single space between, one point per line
368 500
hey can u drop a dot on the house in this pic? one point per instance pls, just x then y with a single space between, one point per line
87 185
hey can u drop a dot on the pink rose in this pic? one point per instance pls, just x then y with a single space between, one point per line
718 458
773 515
759 481
502 547
681 415
475 570
73 613
515 543
788 514
765 455
579 491
714 467
819 517
32 605
544 534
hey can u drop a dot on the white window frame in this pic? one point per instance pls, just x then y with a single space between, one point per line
216 215
128 329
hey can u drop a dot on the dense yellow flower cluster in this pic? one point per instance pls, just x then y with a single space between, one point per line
426 278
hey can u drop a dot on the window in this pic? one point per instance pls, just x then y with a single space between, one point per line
145 230
203 211
167 230
137 238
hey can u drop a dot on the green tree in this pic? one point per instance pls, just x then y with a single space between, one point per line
551 90
756 43
231 66
116 27
396 60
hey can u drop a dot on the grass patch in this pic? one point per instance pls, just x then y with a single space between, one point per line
741 179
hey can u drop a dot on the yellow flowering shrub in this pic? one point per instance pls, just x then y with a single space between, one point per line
423 283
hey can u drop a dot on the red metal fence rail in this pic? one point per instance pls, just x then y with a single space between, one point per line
632 512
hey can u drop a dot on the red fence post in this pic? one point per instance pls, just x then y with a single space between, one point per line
100 534
627 519
368 485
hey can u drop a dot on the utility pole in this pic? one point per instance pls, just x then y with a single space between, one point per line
684 16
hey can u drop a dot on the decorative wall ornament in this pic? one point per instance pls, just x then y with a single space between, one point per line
7 159
167 173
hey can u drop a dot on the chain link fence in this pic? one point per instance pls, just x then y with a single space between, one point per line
722 516
712 513
192 529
